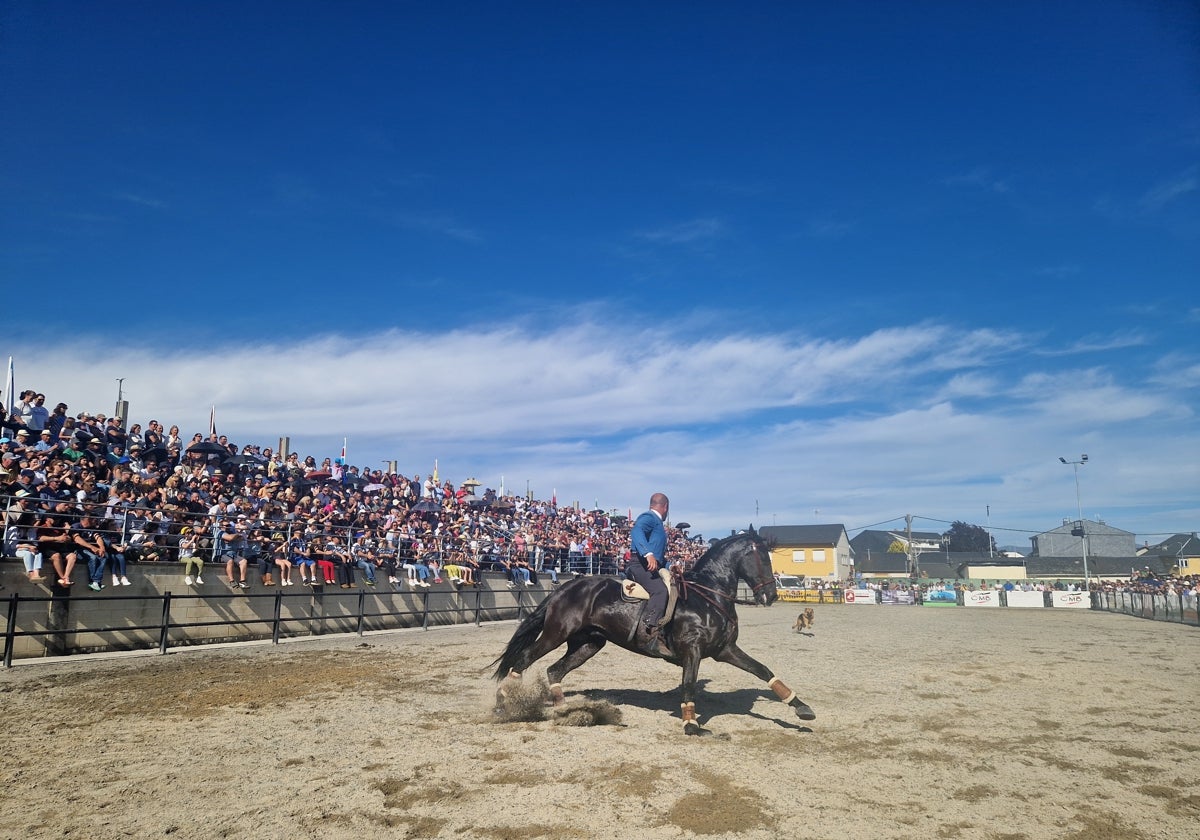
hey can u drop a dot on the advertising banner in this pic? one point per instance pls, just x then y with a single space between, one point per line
809 596
898 596
860 596
941 598
1070 600
1017 598
982 598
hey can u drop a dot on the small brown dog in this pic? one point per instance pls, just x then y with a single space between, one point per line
805 620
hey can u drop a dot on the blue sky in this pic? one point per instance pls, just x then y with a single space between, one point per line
787 262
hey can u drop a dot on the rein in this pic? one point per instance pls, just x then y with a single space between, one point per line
717 595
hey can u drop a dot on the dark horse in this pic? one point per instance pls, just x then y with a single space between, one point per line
589 611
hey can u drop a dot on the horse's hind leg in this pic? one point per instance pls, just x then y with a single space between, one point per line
737 657
544 644
580 648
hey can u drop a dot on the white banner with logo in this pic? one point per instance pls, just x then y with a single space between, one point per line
860 596
1070 600
1017 598
982 598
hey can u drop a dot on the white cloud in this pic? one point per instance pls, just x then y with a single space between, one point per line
1120 340
979 178
927 419
1170 189
442 224
684 233
144 201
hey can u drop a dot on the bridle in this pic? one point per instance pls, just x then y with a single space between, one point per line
713 597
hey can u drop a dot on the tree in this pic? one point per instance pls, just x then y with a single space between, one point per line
964 537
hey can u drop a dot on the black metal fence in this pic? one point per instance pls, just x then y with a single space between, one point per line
274 615
1179 607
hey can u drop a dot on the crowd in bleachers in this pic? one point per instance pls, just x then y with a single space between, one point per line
84 494
1148 584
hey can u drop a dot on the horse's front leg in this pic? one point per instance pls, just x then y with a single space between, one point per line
691 670
737 657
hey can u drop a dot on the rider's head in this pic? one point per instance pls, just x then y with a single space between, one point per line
660 503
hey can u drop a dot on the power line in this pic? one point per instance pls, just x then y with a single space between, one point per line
991 528
865 527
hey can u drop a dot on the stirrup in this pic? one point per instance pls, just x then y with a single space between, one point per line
650 639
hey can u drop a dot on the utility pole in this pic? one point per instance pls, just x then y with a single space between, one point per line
1081 531
122 408
912 555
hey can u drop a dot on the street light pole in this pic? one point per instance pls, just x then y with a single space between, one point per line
1082 528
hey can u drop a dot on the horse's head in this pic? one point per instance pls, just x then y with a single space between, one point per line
743 557
754 567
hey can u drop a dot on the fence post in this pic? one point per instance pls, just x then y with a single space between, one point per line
362 607
11 629
479 601
164 628
275 617
425 610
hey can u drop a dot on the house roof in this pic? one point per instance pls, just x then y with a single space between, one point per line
880 562
878 542
873 542
787 535
937 569
1176 545
939 564
1106 566
1094 529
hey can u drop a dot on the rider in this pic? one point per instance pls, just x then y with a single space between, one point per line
648 554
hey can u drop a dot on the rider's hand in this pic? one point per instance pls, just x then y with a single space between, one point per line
651 563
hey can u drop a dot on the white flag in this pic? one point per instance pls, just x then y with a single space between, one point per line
10 400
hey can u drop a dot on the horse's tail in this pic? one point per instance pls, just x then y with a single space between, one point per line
525 635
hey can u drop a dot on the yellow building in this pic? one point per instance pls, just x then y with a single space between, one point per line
810 551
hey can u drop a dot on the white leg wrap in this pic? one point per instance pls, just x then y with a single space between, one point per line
781 691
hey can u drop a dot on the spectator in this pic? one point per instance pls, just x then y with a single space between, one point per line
279 554
328 558
300 555
23 411
417 572
40 415
55 544
189 545
10 471
66 432
228 544
86 539
363 558
255 552
57 417
115 555
46 442
19 538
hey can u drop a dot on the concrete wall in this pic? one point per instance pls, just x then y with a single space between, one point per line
129 617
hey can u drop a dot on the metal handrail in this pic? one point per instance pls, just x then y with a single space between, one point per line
276 621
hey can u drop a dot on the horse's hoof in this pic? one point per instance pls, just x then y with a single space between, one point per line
803 711
692 728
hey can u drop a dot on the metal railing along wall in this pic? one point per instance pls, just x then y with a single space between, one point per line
247 617
1178 607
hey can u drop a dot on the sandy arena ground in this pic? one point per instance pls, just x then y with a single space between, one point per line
931 722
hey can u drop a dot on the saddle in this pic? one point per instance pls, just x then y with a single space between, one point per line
632 592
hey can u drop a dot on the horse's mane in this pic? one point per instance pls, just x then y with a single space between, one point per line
720 545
